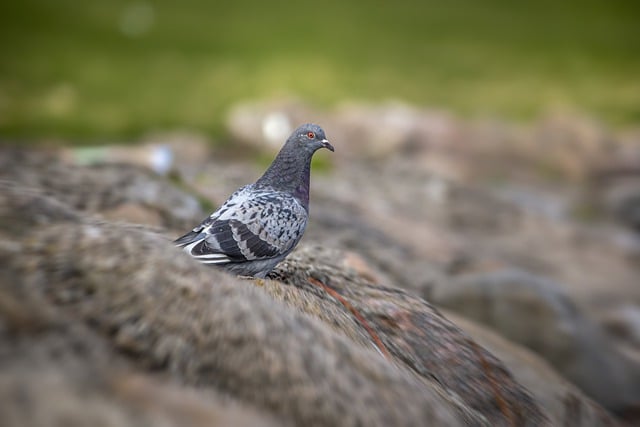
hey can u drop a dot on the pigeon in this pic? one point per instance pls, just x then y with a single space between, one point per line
261 223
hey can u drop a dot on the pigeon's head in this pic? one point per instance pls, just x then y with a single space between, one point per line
310 137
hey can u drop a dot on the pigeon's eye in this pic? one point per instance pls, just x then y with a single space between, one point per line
311 135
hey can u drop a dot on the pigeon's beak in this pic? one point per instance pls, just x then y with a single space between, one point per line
325 144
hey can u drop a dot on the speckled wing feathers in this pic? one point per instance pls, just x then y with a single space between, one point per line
254 224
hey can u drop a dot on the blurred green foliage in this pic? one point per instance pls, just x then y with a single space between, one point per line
115 69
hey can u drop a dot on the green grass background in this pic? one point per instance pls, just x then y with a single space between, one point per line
67 69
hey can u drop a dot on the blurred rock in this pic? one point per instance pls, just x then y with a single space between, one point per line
569 145
90 275
116 306
557 147
84 295
623 322
125 286
43 383
615 190
380 220
190 151
122 191
133 213
565 402
623 201
393 127
388 259
266 125
407 329
156 157
534 312
159 152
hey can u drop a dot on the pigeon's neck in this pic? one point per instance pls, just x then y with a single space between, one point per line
290 174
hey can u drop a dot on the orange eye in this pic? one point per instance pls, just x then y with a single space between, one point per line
311 135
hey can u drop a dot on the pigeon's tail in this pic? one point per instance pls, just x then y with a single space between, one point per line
194 243
190 237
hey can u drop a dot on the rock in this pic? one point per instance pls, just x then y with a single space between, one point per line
534 312
625 204
180 152
155 157
557 146
377 131
350 340
616 193
389 259
104 187
623 322
564 402
266 125
569 146
133 213
52 377
161 314
405 329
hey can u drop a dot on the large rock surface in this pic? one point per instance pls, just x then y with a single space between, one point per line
510 301
118 295
128 331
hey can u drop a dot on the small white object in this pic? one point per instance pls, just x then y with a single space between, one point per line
161 159
276 127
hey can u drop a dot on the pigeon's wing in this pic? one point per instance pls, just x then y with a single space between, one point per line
251 225
197 233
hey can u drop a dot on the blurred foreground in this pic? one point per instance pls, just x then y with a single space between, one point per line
525 237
